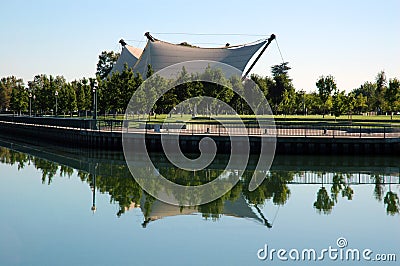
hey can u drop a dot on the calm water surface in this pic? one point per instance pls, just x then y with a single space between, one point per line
76 207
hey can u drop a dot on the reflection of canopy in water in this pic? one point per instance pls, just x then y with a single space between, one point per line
160 54
238 208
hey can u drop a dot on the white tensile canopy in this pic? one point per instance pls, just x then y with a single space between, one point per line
160 54
129 55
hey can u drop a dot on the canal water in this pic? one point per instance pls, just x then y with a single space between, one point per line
80 207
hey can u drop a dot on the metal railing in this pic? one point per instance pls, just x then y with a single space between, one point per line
51 121
279 130
328 130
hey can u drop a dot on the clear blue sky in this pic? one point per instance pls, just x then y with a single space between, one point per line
352 40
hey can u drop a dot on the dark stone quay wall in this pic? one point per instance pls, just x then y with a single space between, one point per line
76 137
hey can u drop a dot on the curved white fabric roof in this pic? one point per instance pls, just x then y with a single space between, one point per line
160 54
129 55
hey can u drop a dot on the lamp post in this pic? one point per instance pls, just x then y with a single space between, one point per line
94 90
30 104
56 94
304 101
34 103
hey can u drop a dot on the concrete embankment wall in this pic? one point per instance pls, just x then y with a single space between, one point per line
62 136
189 143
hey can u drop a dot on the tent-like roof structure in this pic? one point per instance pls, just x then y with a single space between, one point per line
160 54
129 55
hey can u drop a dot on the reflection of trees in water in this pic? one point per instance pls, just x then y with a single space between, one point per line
391 199
325 203
121 187
339 184
117 181
49 169
148 203
273 187
193 178
392 202
12 157
214 209
378 190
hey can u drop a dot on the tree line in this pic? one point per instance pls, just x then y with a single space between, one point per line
47 94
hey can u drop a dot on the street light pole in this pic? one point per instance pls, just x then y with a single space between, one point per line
56 94
304 101
34 102
94 89
30 104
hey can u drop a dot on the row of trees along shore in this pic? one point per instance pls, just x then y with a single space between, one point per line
382 96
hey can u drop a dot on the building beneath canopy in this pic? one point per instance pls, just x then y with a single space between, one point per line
160 54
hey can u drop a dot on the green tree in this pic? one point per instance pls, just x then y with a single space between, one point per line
182 89
45 89
40 86
6 86
116 90
281 69
237 102
126 88
300 102
19 97
149 71
106 63
167 101
218 87
108 92
253 97
326 85
339 103
367 90
380 91
58 85
349 104
67 99
148 94
288 102
313 103
265 84
83 95
360 104
281 83
392 95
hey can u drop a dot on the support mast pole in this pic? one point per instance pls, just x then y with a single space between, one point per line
270 39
